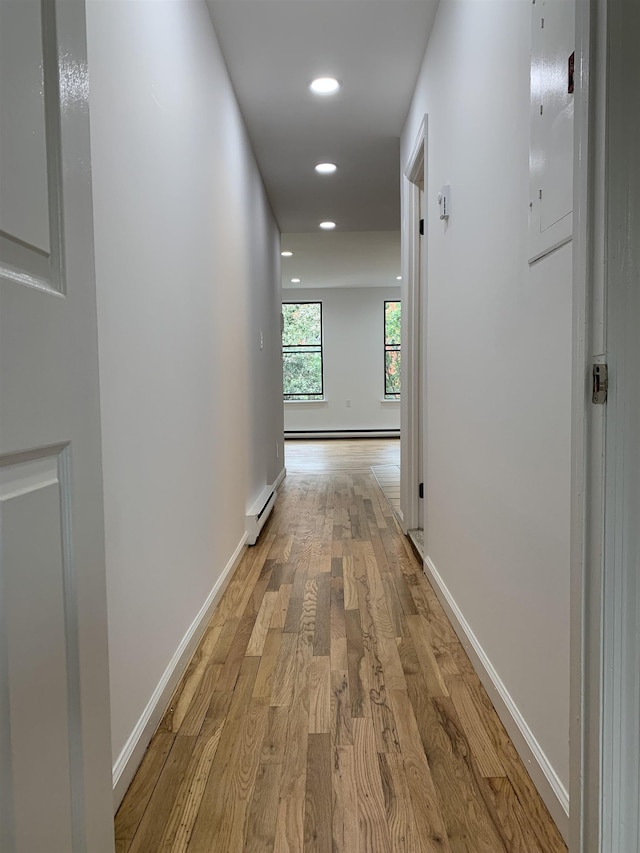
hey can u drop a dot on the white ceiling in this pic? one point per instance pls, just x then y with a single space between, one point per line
273 49
337 259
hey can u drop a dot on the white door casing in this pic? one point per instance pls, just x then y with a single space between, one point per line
588 430
55 779
414 265
621 576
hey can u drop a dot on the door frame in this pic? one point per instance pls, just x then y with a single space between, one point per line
413 297
620 617
595 734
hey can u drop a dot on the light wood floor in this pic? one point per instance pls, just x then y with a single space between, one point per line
330 706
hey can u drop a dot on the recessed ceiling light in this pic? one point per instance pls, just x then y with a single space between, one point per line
324 85
326 168
295 281
328 226
286 254
398 278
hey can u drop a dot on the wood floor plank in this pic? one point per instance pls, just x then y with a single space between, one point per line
338 629
137 798
483 749
397 800
389 657
152 826
373 831
538 816
216 714
191 681
470 829
329 704
187 803
350 584
434 680
196 711
430 826
319 695
222 818
317 808
233 662
340 722
238 702
394 606
290 826
345 823
275 738
373 675
263 811
377 597
294 775
355 659
338 653
307 624
261 625
268 660
510 820
282 605
322 633
284 673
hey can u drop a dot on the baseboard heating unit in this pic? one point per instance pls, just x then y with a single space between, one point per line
343 433
259 513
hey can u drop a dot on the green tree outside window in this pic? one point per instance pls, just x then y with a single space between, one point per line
392 354
302 351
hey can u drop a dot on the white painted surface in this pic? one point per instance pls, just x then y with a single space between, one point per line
23 153
621 572
342 259
187 256
274 48
552 108
353 339
54 698
588 430
498 366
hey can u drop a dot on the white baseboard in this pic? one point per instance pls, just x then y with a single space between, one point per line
543 775
280 478
133 751
342 433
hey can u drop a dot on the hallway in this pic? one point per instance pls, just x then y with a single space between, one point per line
330 706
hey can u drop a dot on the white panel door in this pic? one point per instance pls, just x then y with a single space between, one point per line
55 764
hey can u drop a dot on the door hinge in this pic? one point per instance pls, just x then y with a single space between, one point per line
421 490
422 227
600 386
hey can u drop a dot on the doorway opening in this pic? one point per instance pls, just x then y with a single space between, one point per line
413 438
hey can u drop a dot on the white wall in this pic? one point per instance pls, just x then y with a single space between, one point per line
498 355
187 257
353 338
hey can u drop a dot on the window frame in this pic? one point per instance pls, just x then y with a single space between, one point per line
389 395
306 397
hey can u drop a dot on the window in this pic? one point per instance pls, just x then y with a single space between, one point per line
302 351
392 350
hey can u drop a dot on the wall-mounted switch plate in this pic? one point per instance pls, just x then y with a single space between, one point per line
444 200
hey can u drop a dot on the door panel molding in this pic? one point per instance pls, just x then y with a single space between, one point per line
21 261
54 676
